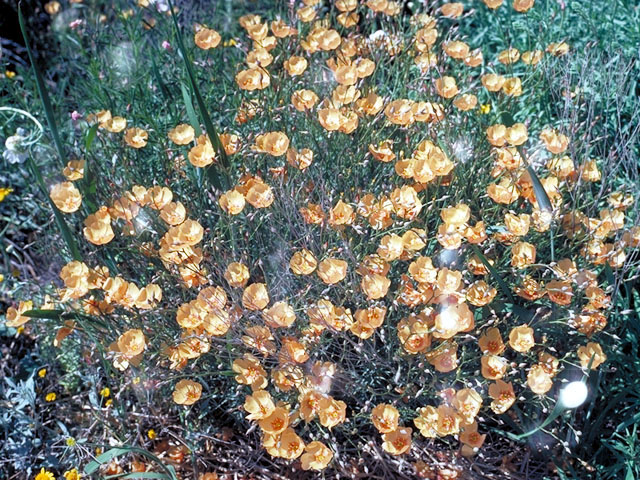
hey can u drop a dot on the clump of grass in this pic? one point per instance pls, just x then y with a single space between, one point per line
366 239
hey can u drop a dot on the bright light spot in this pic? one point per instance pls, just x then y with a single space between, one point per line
573 394
448 319
447 257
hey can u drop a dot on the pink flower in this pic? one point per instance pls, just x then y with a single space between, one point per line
166 45
75 116
75 24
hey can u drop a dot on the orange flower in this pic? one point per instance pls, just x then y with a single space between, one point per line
591 351
446 87
522 6
468 403
236 274
341 214
493 82
255 297
521 338
260 195
503 396
516 134
471 438
331 412
480 293
253 79
300 160
426 421
397 442
512 87
466 102
250 372
14 317
491 342
66 197
385 418
560 292
131 343
232 202
259 405
182 134
187 392
332 270
448 422
136 137
523 254
74 170
291 445
303 100
303 262
280 315
274 143
452 10
493 367
207 38
554 141
98 227
295 65
276 422
317 455
114 124
539 380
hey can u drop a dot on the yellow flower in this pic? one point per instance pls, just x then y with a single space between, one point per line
45 475
71 442
151 433
105 392
72 474
485 108
50 397
42 372
9 74
4 192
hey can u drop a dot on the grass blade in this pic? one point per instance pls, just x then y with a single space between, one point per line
220 181
503 286
109 455
191 113
42 91
541 195
44 314
62 224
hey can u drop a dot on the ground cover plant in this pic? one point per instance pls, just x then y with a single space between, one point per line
269 239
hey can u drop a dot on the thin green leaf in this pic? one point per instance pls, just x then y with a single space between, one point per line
106 457
503 286
42 90
109 455
156 73
541 194
90 136
62 224
46 314
191 113
219 181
